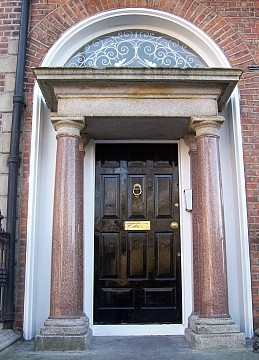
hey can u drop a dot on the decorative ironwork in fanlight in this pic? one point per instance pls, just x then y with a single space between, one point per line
135 48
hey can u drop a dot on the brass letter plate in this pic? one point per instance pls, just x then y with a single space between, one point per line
136 225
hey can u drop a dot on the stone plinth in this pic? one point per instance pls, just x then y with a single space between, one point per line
214 333
64 335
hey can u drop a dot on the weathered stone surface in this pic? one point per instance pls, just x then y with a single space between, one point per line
63 343
6 102
3 184
214 333
213 321
64 327
108 98
8 63
100 107
13 46
147 83
3 164
6 122
3 208
216 329
64 335
10 82
4 142
8 337
215 341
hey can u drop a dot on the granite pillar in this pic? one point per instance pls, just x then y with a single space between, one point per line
192 144
67 326
212 327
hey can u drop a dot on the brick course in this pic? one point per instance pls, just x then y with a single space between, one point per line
231 24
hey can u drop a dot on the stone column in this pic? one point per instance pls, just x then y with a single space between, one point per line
190 141
213 327
67 327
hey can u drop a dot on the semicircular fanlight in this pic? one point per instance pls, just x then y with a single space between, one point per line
135 48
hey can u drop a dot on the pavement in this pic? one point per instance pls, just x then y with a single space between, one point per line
127 348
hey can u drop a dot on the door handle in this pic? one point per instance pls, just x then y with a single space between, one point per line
174 225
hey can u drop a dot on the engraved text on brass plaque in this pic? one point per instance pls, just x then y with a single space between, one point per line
136 225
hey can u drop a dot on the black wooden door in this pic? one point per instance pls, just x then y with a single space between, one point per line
137 271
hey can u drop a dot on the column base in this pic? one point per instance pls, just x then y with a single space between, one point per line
214 333
64 335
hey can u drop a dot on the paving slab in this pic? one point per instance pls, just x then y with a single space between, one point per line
127 348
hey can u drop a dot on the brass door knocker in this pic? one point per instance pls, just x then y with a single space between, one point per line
137 191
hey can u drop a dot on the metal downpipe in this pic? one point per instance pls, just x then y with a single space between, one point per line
14 161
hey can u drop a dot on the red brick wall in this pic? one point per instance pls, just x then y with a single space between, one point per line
231 24
9 23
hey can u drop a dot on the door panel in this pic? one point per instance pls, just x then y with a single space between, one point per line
109 256
137 272
164 256
137 262
163 196
110 197
136 205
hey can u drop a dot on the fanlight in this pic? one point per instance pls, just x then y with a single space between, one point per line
135 48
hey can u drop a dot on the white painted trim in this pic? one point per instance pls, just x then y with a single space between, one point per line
185 233
89 201
242 210
67 44
29 295
137 330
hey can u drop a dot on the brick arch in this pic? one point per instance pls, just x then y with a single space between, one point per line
60 18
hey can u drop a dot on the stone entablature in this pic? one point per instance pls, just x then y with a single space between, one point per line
58 83
107 98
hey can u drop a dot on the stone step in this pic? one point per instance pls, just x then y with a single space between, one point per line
8 337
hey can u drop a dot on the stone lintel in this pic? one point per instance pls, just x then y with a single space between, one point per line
136 107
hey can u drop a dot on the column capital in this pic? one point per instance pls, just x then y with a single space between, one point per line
68 125
190 141
206 125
